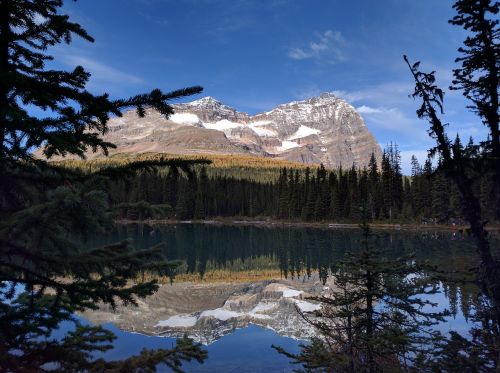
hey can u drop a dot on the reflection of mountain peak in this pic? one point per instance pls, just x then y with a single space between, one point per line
267 304
212 247
206 312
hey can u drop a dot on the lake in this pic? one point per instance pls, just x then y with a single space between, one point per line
237 287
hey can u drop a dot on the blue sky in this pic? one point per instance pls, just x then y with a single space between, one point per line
254 55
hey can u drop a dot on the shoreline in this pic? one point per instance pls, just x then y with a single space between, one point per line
268 223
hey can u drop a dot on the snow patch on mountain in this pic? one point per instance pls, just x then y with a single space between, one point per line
304 131
222 125
221 314
183 321
262 131
287 145
271 305
307 306
226 126
323 129
289 293
259 123
203 101
185 118
259 311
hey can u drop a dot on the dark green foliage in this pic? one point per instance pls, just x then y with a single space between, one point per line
373 319
375 201
148 360
186 199
47 211
142 210
440 199
391 182
200 210
309 195
478 76
475 352
314 357
475 169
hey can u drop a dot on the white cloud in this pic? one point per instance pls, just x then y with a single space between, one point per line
298 54
393 119
388 112
328 46
389 94
390 115
101 72
350 96
363 109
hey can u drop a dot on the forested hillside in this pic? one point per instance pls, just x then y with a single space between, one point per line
242 186
239 166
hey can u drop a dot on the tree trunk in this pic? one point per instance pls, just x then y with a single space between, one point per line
369 322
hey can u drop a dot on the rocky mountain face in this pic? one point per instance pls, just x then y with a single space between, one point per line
323 129
208 311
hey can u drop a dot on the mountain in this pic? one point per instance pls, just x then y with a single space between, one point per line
208 311
323 129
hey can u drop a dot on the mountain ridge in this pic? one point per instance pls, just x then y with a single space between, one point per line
322 129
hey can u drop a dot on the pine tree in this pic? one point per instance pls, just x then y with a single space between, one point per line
284 195
375 197
199 206
323 199
478 78
408 200
47 210
309 209
387 187
364 188
333 183
354 195
355 333
305 190
341 206
397 176
417 192
292 194
475 352
170 187
440 198
415 166
200 203
426 186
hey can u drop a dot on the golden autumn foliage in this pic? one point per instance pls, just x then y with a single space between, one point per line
234 165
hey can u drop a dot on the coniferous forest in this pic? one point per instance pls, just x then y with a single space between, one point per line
374 302
298 193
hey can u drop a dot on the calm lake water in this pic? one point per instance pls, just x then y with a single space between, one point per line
245 350
291 252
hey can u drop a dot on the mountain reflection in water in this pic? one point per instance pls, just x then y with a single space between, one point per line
294 252
233 276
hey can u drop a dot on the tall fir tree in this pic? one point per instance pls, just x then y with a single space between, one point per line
375 197
478 78
374 319
47 210
386 183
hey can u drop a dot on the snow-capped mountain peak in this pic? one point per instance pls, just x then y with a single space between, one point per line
322 129
205 100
